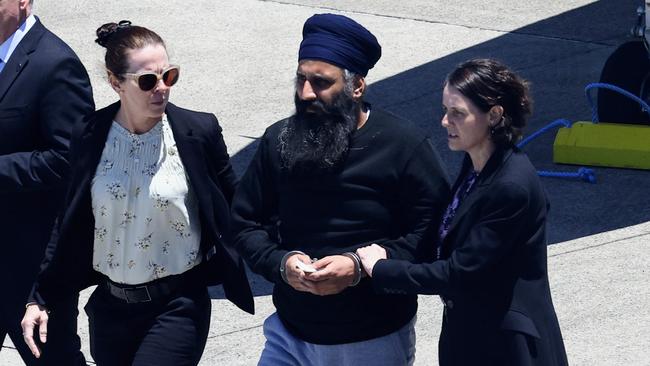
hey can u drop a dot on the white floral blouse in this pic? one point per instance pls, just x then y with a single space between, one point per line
146 215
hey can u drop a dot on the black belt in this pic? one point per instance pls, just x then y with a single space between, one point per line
151 291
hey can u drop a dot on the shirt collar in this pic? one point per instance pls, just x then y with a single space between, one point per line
9 45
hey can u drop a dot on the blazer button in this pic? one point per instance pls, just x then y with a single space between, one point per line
450 304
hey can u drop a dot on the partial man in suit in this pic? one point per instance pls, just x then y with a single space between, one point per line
44 91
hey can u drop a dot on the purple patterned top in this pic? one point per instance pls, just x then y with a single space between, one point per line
461 193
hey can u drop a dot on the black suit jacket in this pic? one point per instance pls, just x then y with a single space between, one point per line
44 91
67 267
493 275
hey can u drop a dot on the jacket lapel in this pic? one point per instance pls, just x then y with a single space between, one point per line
20 57
91 145
191 154
482 183
87 150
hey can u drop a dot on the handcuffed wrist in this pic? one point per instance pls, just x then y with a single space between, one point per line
357 267
283 264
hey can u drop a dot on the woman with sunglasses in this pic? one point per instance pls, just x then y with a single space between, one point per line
491 269
144 216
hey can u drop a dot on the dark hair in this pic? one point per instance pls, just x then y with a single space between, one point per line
119 39
488 83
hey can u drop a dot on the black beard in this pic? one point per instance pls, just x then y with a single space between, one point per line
316 139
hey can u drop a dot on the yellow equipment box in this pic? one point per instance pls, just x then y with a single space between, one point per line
613 145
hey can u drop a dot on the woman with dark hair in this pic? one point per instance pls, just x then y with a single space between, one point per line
491 271
143 219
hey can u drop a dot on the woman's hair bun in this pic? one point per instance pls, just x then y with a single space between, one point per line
108 30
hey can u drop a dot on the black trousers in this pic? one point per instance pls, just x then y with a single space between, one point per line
162 332
63 346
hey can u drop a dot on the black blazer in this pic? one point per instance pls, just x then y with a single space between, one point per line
493 275
67 267
44 91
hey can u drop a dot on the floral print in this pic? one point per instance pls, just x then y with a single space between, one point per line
157 269
179 227
146 215
160 203
110 260
127 218
144 243
100 233
150 170
191 257
115 190
136 144
106 165
165 247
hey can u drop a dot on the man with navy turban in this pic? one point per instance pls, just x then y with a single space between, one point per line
337 175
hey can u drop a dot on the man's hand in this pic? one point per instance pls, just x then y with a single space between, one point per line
296 276
35 315
334 274
370 255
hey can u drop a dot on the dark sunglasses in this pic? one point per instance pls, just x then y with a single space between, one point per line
147 80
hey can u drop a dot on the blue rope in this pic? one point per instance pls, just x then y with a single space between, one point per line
594 110
582 173
585 174
560 122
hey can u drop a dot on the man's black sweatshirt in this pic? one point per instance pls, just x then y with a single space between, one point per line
391 190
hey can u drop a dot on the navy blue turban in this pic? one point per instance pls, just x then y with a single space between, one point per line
340 41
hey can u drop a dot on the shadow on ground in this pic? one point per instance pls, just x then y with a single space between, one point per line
559 56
